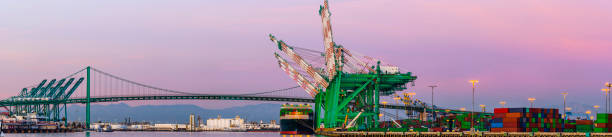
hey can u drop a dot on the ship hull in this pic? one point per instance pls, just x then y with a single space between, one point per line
296 126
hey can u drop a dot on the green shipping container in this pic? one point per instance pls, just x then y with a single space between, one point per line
569 130
600 130
421 129
601 120
602 115
584 126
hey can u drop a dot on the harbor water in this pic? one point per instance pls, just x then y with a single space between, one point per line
157 134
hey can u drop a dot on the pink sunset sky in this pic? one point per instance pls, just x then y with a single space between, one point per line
517 49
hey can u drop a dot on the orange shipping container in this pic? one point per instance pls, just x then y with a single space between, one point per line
513 115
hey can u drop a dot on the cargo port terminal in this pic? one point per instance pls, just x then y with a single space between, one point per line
344 88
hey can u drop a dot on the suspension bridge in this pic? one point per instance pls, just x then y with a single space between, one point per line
50 99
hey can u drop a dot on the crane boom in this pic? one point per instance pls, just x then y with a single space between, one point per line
319 80
311 90
330 50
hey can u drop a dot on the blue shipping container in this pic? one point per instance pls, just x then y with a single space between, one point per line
497 125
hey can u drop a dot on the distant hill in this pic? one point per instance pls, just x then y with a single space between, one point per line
172 113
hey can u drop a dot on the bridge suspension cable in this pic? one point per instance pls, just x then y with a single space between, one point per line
127 82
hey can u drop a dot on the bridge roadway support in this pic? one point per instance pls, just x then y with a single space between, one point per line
463 134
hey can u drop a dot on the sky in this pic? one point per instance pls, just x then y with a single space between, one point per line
516 49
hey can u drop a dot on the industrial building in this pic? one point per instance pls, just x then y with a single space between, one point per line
219 123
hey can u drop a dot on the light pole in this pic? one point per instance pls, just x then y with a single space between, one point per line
503 103
607 92
433 111
531 100
596 107
473 94
564 96
609 85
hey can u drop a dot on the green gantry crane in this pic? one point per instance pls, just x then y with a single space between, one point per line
347 87
44 101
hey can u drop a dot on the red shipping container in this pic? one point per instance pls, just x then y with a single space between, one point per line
437 129
500 110
510 120
496 130
601 125
584 122
512 129
499 115
535 110
534 125
510 125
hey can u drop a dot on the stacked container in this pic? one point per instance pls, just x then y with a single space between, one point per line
526 120
481 121
602 124
569 126
584 126
578 126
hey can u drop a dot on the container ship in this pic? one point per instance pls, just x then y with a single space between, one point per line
296 119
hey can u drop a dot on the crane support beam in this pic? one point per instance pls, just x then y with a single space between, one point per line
303 82
76 85
354 94
319 80
63 89
34 90
44 90
53 89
